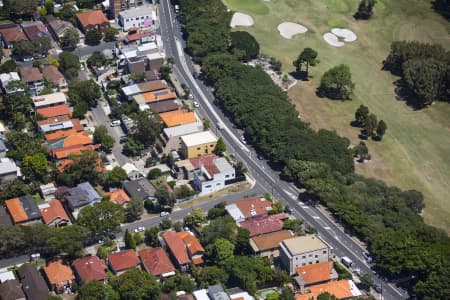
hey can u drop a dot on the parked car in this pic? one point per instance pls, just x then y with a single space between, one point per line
123 139
196 104
164 213
367 256
115 123
140 229
377 288
220 126
243 140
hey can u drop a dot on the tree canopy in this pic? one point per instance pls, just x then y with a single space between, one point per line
244 41
102 217
136 284
336 83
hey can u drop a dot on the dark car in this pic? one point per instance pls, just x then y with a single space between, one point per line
123 139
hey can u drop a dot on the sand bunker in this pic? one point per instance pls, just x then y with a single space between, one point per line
346 34
332 40
289 29
240 19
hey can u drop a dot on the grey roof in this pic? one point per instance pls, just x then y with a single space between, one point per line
30 207
11 290
140 189
57 25
5 219
216 292
33 284
81 195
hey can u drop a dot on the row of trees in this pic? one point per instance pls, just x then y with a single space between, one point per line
369 124
40 45
319 161
425 71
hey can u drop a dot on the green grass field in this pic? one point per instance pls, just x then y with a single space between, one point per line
415 153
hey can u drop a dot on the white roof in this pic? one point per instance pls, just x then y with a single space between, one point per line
201 295
5 78
129 167
131 90
183 129
7 165
50 99
223 165
136 12
152 56
354 289
234 212
6 275
199 138
147 47
302 244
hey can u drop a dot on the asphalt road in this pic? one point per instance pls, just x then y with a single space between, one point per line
333 234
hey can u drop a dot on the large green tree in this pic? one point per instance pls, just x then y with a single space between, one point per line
308 57
102 137
134 209
381 129
110 34
69 64
96 290
93 37
102 217
221 147
365 9
35 166
370 125
97 59
151 236
337 83
221 252
136 284
84 168
244 41
210 275
85 91
22 144
148 128
128 238
115 177
70 39
68 240
361 115
164 197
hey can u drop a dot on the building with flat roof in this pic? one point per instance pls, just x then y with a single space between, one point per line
302 251
139 17
211 173
6 78
48 100
198 144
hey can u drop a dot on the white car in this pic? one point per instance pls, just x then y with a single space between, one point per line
243 140
140 229
164 213
196 104
81 67
115 123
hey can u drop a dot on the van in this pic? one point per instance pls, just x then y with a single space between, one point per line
346 261
115 123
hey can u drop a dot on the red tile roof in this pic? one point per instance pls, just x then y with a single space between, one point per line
57 135
316 272
79 138
90 268
118 196
151 86
92 18
156 261
16 210
207 162
54 111
53 212
57 272
177 247
52 73
34 31
30 74
65 152
13 34
53 120
262 225
252 207
177 117
192 243
341 289
123 260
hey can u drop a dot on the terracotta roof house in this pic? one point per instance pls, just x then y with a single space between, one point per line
23 210
59 275
90 268
177 117
94 19
53 214
54 111
60 134
157 96
119 197
156 262
315 274
122 261
33 284
184 248
11 35
11 290
140 189
264 224
35 29
342 289
248 208
52 74
33 79
65 152
268 245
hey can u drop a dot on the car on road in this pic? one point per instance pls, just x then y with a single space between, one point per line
377 288
115 123
123 139
196 104
220 126
243 140
140 229
164 213
367 256
191 96
81 67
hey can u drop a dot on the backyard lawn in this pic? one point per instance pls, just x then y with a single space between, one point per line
415 152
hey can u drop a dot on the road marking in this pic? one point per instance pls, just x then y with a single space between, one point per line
305 207
327 228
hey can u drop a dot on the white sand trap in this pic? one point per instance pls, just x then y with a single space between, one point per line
332 40
289 29
240 19
346 34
